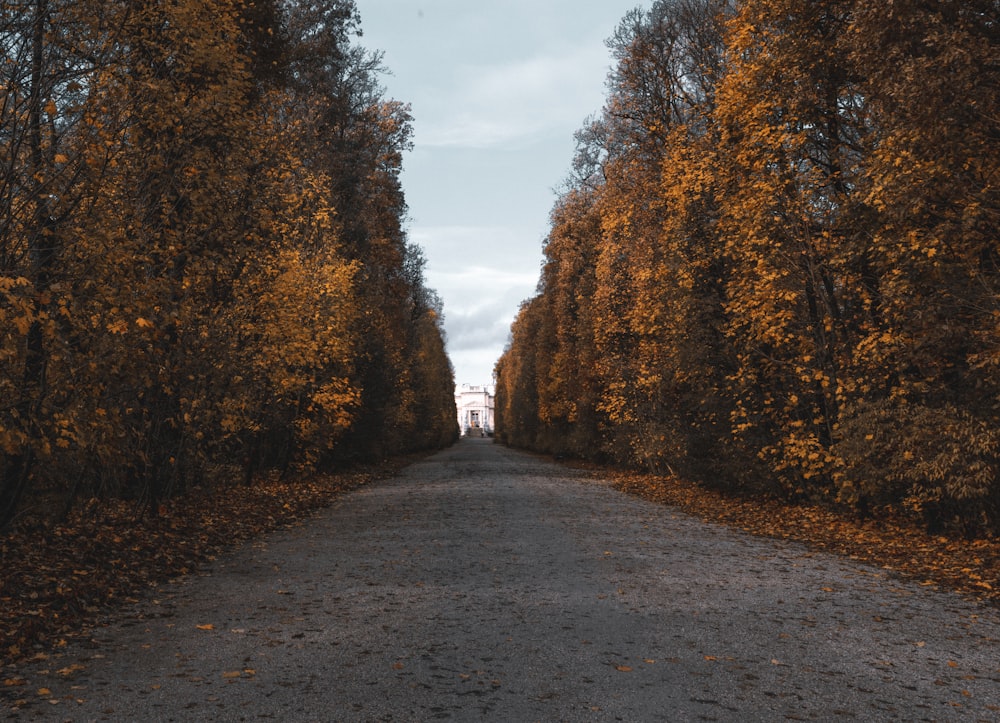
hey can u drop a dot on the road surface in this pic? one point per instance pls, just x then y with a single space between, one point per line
487 584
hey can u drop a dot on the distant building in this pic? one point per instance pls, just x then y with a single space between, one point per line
475 410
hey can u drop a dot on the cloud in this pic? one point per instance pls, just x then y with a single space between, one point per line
483 328
480 302
479 282
513 253
474 366
516 102
497 90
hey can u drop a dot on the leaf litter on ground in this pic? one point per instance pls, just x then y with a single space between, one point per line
969 567
58 580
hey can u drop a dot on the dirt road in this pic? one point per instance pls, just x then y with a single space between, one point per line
485 584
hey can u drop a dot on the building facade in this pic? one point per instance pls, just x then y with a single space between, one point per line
475 410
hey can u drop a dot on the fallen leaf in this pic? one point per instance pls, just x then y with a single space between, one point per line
623 668
230 674
206 626
397 666
44 692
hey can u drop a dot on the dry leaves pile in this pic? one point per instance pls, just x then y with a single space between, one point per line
57 579
969 567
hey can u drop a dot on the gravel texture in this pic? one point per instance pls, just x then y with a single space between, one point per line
487 584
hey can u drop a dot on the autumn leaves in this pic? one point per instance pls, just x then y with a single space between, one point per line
775 266
203 272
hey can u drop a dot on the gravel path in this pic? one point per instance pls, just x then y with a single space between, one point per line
485 584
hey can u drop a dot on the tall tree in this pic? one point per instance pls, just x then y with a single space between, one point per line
568 392
53 54
203 265
791 219
794 283
925 426
661 91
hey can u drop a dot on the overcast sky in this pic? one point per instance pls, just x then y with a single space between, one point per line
497 90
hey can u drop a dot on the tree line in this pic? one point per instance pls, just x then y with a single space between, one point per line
774 267
204 271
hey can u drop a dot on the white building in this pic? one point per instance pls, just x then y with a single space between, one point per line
475 410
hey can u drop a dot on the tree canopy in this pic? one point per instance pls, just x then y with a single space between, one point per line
774 267
204 272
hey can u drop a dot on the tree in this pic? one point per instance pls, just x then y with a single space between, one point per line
792 117
930 355
517 420
777 253
53 52
203 268
568 392
661 101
